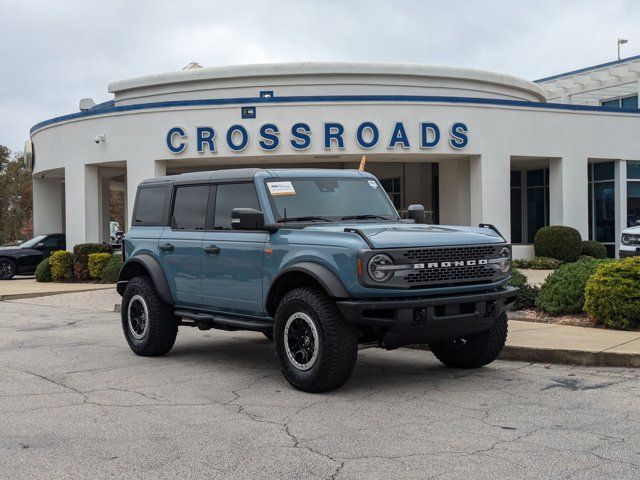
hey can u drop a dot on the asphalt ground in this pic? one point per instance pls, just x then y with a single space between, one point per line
76 403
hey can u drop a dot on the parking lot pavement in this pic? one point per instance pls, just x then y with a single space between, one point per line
76 403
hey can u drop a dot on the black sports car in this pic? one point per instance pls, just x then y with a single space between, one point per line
24 258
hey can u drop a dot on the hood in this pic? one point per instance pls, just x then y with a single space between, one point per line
406 235
9 249
632 230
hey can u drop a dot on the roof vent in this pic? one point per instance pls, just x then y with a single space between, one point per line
192 65
86 104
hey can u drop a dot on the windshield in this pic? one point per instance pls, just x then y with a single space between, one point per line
318 199
33 242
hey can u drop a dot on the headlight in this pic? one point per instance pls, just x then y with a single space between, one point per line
376 267
505 259
626 239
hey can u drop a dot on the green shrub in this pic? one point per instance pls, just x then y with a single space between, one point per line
561 243
97 262
111 270
526 293
593 249
43 271
61 263
563 291
81 254
538 263
613 294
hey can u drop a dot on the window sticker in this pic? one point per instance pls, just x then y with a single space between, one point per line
373 183
280 188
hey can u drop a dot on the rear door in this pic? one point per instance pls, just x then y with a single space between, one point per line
180 246
232 259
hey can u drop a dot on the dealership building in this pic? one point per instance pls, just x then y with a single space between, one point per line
471 146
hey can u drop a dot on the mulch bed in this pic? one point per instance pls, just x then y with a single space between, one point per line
532 315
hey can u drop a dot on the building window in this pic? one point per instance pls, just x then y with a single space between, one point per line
529 204
602 205
392 187
623 102
633 194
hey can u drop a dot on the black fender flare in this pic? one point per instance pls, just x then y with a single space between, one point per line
131 269
321 274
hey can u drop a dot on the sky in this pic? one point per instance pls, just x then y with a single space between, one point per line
55 52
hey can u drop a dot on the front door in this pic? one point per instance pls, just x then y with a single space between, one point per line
232 260
180 246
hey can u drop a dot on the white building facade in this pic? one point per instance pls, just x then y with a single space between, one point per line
471 146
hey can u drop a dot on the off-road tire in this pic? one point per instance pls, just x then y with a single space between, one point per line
7 269
163 324
337 343
480 349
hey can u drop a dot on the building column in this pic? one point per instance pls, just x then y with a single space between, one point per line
82 199
48 206
137 171
569 193
453 178
490 191
620 178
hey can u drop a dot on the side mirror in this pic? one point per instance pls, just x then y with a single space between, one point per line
247 219
416 212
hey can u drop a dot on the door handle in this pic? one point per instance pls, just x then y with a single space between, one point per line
212 250
167 247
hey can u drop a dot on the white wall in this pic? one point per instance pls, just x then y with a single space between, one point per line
48 204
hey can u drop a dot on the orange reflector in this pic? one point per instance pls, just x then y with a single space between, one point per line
359 263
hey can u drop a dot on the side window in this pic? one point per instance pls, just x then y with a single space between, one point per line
150 206
51 242
230 196
190 207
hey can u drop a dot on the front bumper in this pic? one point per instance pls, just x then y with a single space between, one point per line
424 320
629 251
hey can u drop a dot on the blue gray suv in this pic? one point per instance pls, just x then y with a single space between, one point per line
317 260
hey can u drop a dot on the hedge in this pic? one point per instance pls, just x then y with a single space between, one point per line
538 263
61 263
526 293
97 262
559 242
563 292
613 294
593 249
43 271
111 270
81 254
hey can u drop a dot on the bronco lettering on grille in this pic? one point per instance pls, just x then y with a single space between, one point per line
453 263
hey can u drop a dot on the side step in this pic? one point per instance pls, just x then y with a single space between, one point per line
226 322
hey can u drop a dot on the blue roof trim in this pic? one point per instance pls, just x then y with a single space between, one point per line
325 98
586 69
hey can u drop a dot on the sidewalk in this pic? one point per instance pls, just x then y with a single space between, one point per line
29 288
549 343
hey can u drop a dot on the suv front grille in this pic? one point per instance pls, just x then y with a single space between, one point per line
445 254
450 274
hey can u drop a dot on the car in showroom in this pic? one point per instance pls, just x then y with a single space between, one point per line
630 242
24 258
318 260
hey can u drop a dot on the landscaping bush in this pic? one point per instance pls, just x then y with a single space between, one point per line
111 270
97 262
61 263
43 271
613 294
561 243
81 254
563 291
538 263
593 249
526 293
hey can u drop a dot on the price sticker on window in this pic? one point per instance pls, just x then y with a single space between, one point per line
280 188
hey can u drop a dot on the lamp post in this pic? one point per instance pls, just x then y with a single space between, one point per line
621 41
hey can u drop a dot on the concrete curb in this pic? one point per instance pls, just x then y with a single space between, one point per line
564 356
18 296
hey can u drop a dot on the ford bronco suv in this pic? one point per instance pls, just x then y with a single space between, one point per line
319 261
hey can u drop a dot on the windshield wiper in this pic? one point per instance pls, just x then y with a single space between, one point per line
364 217
308 218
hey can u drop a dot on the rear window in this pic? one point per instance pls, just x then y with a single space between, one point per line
190 207
150 206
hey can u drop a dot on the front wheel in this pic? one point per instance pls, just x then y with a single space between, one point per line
475 350
148 323
7 269
316 348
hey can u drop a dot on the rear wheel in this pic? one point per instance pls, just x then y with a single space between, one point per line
475 350
7 268
148 323
316 348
